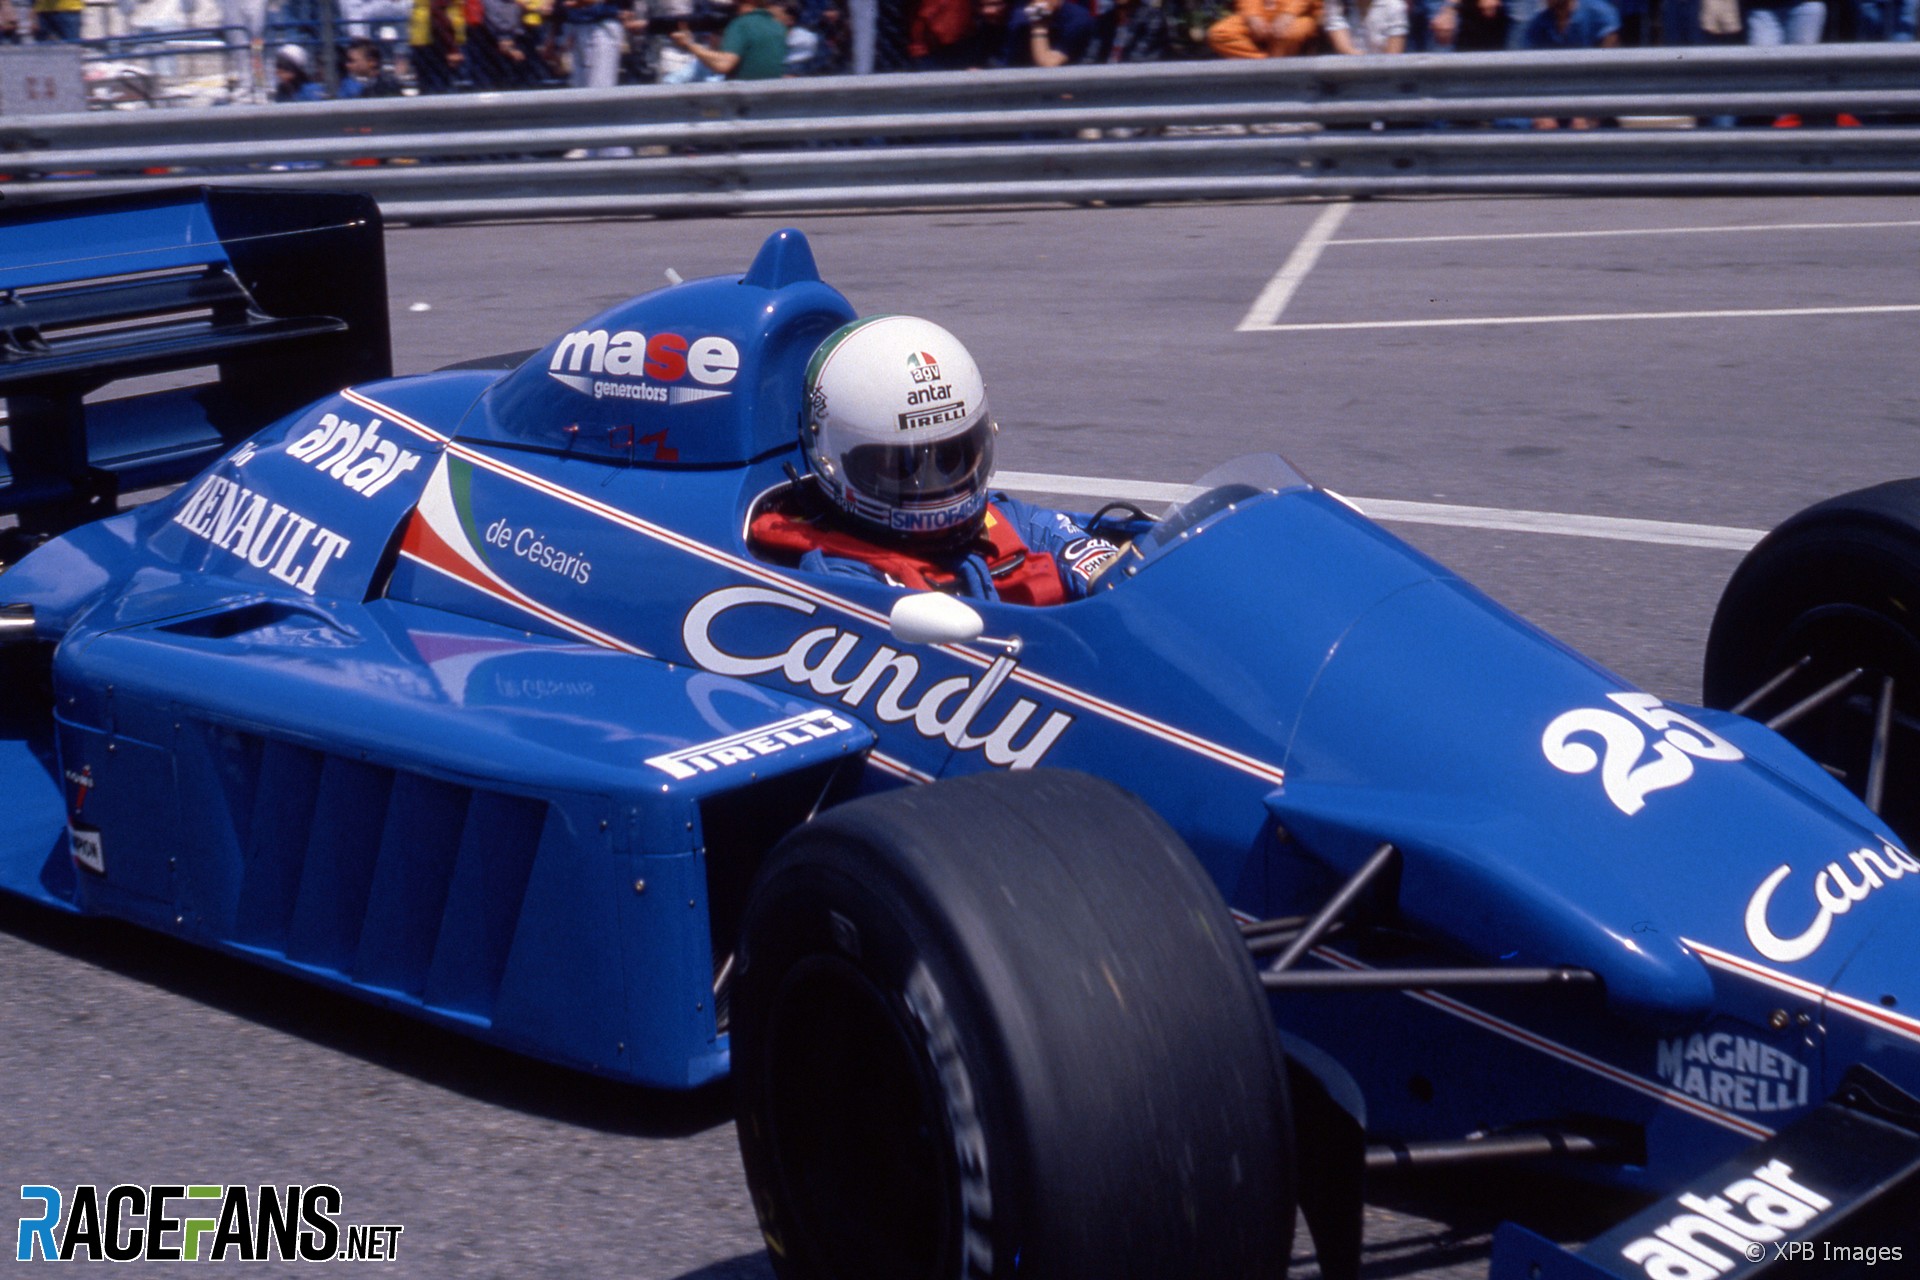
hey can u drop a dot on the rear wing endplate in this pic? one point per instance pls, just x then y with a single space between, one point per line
281 298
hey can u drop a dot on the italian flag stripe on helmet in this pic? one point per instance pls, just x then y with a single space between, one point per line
832 342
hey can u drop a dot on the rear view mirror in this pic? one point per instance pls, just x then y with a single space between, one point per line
929 617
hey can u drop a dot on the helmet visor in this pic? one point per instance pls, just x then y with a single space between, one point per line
923 475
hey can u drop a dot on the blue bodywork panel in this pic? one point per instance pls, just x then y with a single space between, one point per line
440 813
465 693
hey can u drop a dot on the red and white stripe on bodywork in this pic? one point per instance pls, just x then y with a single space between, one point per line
1064 693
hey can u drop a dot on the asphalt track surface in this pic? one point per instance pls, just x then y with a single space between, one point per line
1710 364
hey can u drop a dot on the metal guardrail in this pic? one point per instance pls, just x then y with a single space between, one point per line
1311 126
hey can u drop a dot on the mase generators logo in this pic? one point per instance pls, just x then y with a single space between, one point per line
196 1223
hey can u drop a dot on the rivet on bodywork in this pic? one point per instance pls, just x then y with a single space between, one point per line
1778 1019
639 886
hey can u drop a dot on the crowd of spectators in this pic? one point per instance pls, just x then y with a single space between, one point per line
513 44
389 47
508 43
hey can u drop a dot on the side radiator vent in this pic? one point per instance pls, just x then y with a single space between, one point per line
387 878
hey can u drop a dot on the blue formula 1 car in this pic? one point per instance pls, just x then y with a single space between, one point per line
1082 940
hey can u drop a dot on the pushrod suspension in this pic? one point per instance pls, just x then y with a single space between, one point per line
1383 857
1754 699
1818 698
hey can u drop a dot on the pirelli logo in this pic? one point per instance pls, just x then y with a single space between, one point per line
767 740
920 419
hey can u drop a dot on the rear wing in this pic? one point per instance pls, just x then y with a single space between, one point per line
280 298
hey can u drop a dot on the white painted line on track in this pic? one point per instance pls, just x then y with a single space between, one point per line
1614 528
1279 291
1628 231
1462 322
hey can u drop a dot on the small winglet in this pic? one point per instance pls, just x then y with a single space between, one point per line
786 258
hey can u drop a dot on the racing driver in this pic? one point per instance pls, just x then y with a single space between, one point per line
899 447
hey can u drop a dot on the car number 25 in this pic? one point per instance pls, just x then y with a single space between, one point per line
1628 778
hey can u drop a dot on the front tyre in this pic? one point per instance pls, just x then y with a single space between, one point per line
1004 1026
1833 590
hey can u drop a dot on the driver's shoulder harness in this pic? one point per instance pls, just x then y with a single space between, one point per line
784 529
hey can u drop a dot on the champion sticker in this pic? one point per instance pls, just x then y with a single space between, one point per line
86 849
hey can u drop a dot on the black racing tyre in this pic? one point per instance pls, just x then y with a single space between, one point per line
1004 1026
1838 585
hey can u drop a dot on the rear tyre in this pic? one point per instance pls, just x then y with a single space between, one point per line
1839 586
1004 1026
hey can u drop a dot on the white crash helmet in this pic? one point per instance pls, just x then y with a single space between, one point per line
896 428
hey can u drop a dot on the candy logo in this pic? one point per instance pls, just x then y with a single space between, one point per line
1834 889
887 682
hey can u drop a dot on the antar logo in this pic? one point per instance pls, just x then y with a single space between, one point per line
354 455
666 357
1707 1240
818 660
1834 889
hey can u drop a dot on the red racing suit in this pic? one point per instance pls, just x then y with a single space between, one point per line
1023 554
